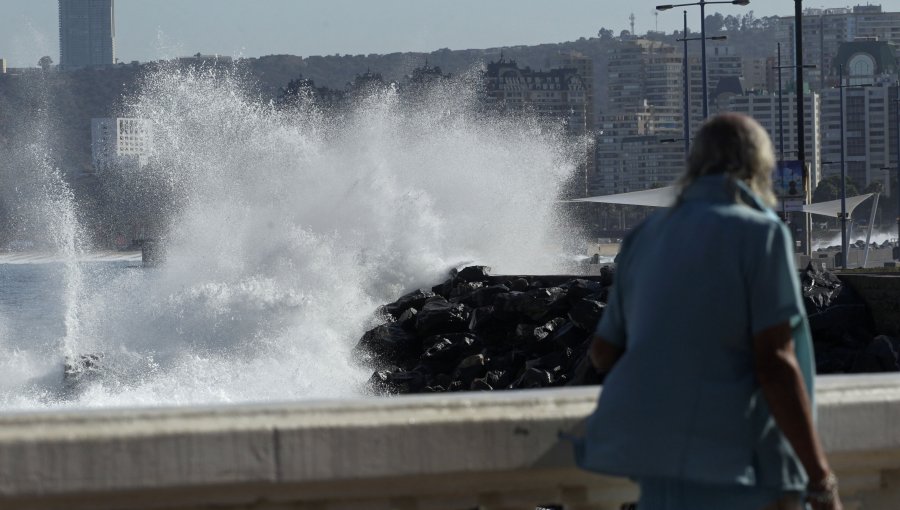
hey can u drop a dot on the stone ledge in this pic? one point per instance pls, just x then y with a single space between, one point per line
493 450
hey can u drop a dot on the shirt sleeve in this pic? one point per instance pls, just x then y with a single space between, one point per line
774 287
612 324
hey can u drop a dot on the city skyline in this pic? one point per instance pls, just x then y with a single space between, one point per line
166 29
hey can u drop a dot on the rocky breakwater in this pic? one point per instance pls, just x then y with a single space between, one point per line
843 331
475 331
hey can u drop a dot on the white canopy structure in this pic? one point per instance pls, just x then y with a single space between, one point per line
665 197
659 197
832 208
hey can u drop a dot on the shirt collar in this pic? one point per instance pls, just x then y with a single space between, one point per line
721 188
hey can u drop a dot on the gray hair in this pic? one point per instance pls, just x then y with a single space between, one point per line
737 146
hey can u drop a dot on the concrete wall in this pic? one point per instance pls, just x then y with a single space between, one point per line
497 450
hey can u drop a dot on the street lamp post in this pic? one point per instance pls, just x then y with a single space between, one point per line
687 101
896 190
703 4
779 67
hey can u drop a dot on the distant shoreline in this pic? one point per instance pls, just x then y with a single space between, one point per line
36 257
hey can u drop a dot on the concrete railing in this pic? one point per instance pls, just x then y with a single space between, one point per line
496 450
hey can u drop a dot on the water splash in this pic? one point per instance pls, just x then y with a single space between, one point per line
284 230
41 206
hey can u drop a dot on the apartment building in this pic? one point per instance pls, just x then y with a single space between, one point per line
87 33
824 30
119 141
560 93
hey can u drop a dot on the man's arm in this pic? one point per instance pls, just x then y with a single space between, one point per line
782 386
603 354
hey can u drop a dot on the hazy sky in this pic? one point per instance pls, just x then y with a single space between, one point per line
152 29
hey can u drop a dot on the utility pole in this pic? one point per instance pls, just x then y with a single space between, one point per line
801 134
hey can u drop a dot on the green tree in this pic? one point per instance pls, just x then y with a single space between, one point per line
830 189
715 23
45 62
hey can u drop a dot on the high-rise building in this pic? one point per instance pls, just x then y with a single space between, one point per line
645 106
868 132
824 30
643 72
869 123
86 33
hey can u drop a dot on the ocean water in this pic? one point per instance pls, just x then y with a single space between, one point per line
283 231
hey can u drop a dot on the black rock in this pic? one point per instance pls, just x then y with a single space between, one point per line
542 340
438 315
483 319
569 335
524 334
414 299
480 385
474 274
444 352
497 378
444 289
511 361
580 288
606 276
463 291
396 380
389 343
534 304
470 369
485 295
533 378
583 373
443 380
407 319
380 383
586 313
518 285
881 355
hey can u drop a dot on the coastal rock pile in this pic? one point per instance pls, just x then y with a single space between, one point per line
475 331
842 328
479 332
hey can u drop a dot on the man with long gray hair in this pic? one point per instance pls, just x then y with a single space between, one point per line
708 394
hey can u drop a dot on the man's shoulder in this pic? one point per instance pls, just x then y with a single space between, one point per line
750 219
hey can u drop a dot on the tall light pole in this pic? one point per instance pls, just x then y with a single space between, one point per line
843 178
687 101
779 67
703 4
896 189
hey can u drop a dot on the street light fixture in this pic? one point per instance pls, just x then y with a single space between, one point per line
703 4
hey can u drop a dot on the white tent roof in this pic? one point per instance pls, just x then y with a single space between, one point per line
665 197
832 208
659 197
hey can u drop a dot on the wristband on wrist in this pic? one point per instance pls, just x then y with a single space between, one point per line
825 491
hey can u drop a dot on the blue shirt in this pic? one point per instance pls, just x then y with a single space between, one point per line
693 285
